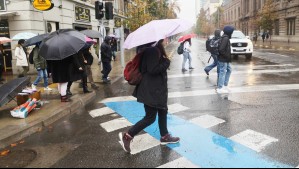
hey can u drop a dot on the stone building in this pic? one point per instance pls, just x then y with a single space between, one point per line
20 16
240 13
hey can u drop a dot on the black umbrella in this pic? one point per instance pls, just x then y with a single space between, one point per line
10 90
92 34
62 44
36 39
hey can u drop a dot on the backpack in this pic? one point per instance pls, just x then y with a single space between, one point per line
31 57
214 46
132 72
208 47
180 49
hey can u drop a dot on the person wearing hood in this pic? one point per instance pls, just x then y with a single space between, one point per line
224 60
214 44
106 57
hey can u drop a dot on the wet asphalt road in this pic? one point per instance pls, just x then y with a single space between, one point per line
80 141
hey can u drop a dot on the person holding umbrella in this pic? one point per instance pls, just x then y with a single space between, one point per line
22 58
106 57
187 54
153 93
41 66
61 50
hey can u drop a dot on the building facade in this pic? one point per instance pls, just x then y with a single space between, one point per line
241 14
20 16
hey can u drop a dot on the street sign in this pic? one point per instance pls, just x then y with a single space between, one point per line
82 14
2 5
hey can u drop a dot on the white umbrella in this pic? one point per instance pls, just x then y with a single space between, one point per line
24 35
155 31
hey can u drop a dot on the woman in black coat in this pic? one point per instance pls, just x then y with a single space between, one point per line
64 71
153 93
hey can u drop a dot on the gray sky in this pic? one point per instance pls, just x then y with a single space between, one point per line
187 10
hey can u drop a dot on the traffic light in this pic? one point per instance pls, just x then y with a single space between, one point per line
109 10
99 6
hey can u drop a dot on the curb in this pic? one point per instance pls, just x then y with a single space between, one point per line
78 104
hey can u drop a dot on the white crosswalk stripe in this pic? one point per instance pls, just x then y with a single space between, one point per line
207 121
101 112
179 163
116 124
142 143
254 140
175 108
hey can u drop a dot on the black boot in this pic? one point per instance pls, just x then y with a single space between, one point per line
85 89
68 92
64 99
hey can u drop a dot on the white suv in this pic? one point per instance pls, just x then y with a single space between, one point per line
241 45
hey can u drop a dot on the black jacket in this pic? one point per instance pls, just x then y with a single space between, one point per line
225 49
88 57
106 52
152 90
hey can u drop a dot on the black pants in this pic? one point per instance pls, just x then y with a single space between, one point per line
150 118
84 83
106 69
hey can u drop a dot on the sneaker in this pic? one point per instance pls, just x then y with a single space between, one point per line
191 68
94 86
184 70
222 91
168 139
125 141
48 89
33 87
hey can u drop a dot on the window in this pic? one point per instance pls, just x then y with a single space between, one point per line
276 27
291 26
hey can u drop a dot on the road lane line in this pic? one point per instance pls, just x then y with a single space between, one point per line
234 90
254 140
207 121
175 108
142 143
101 112
116 124
179 163
199 145
247 72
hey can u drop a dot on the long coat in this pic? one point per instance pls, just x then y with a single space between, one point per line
65 70
153 91
21 57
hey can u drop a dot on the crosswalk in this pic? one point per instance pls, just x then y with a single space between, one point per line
251 139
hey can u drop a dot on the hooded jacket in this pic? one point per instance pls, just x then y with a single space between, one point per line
106 52
225 46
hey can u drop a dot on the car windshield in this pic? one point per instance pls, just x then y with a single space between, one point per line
238 35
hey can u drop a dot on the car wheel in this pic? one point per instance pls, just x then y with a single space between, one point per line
249 56
236 57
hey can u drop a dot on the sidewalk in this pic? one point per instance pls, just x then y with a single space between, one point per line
277 45
13 130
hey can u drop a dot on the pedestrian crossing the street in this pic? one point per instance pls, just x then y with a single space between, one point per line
208 154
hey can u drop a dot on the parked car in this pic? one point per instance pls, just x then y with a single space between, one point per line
241 45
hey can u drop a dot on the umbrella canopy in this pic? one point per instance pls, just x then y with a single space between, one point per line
10 90
92 34
36 39
62 44
4 40
155 31
189 36
91 41
24 35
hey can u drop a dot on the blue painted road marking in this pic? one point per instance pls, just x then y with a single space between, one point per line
199 145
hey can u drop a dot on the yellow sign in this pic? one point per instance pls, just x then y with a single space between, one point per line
43 5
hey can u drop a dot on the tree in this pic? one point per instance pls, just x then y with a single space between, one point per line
203 26
267 16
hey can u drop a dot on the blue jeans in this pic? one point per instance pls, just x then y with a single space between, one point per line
225 71
187 56
213 65
42 74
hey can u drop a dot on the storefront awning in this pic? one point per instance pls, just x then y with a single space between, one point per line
8 14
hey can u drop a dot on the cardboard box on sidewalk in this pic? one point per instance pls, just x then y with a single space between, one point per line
21 99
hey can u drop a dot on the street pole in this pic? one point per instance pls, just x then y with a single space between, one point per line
218 18
122 41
